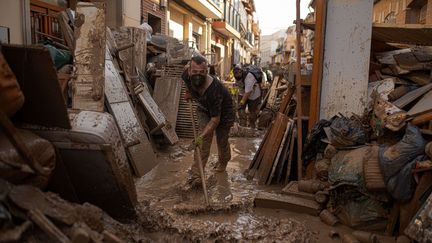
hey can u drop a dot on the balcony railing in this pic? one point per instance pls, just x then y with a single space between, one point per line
231 16
250 38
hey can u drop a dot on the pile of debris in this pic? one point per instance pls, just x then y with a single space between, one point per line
273 98
90 104
400 86
371 172
55 219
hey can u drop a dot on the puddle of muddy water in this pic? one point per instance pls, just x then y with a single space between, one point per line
167 211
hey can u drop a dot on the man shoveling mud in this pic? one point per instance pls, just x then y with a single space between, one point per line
215 114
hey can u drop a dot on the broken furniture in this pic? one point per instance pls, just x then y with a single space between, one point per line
96 168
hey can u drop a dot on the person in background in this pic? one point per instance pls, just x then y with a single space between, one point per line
248 81
215 115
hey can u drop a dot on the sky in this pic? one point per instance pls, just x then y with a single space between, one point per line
274 15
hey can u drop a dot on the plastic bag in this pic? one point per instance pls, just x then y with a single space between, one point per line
59 57
393 158
346 132
362 213
313 143
402 185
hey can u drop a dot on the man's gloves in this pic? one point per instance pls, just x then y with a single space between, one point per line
199 141
242 105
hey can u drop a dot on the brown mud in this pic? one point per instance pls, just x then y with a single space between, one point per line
167 213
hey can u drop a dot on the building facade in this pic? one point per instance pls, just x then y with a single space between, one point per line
402 11
271 45
226 31
154 12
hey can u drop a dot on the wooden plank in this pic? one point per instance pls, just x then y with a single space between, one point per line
419 77
388 56
422 106
281 147
140 49
411 96
318 57
285 153
414 34
136 142
299 108
67 32
408 61
291 154
291 203
88 87
269 156
167 95
273 93
150 106
256 161
422 119
292 190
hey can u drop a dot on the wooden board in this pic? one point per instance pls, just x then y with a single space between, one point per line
157 116
408 61
282 145
285 153
318 57
136 142
167 95
411 96
292 190
414 34
37 77
140 49
419 77
254 165
291 154
272 148
291 203
423 105
273 93
88 86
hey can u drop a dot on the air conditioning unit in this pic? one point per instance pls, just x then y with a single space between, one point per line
163 3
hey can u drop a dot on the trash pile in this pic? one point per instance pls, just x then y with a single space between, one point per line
51 219
80 119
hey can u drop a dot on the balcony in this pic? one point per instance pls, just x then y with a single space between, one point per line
208 8
230 24
250 38
255 29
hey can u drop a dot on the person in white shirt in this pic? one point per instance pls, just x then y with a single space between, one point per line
250 95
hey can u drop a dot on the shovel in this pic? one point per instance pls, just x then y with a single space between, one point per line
198 153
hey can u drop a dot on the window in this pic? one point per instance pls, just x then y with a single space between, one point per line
156 23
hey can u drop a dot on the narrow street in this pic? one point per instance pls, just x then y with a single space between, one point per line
304 121
176 215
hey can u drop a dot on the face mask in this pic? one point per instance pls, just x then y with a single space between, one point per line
198 80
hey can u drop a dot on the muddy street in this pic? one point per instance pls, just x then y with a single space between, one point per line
172 214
